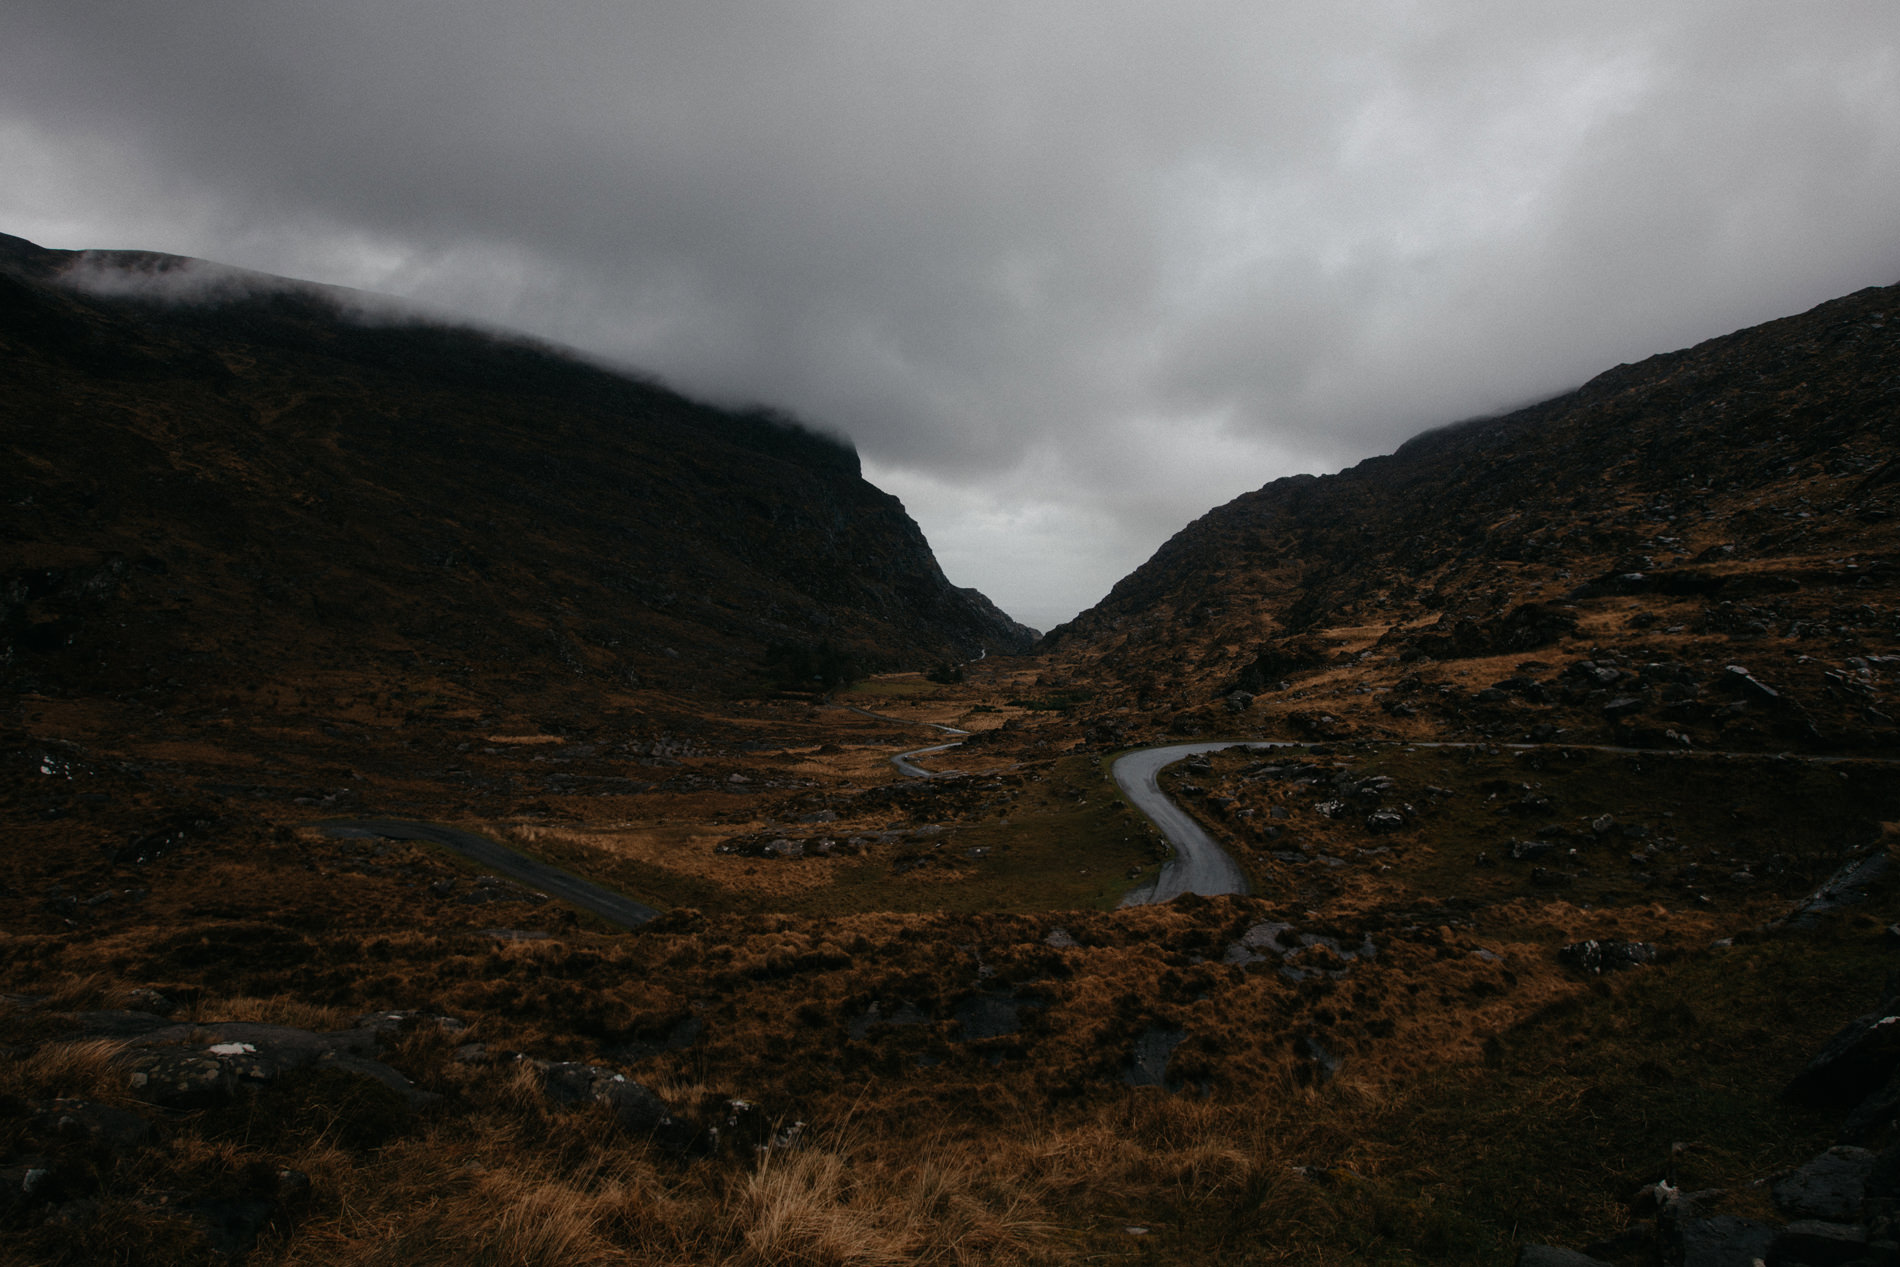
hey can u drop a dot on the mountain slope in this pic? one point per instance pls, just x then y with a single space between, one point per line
1740 491
219 475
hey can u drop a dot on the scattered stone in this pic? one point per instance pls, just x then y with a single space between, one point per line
990 1015
1317 1063
1266 936
189 1080
1606 956
26 1182
880 1014
147 1000
1060 939
167 1067
1847 887
1744 684
635 1109
1148 1060
98 1126
384 1024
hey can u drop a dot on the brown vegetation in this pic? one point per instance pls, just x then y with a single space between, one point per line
896 1019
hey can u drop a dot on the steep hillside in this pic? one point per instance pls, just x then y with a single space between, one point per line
217 478
1735 501
328 635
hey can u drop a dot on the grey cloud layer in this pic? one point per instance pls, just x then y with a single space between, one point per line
995 240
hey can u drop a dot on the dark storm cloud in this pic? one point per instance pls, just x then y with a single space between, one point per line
1069 273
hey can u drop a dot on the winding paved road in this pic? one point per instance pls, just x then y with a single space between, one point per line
1198 865
549 879
902 759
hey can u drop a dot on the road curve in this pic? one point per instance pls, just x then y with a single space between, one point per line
902 759
1198 865
549 879
904 767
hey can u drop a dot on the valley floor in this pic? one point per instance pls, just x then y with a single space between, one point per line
882 1018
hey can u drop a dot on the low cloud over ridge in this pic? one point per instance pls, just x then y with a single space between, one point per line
1068 274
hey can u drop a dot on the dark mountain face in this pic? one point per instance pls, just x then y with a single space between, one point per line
260 478
1735 499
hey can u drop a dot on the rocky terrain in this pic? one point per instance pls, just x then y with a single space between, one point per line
1571 916
1588 567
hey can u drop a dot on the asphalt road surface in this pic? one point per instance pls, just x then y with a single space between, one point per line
534 873
1198 865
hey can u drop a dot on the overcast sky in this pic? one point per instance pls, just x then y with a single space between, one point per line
1069 274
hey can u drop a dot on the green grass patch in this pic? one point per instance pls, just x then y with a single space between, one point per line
1067 843
1059 702
642 881
895 688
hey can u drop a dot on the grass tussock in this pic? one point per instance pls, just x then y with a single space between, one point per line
85 1069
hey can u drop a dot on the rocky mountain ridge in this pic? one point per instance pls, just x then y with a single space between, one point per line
217 474
1732 500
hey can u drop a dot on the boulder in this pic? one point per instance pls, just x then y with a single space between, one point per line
1148 1059
1606 956
1555 1256
98 1126
1816 1243
187 1080
1874 1114
1317 1061
1831 1187
198 1066
1725 1240
26 1182
118 1024
1856 1061
635 1109
231 1225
